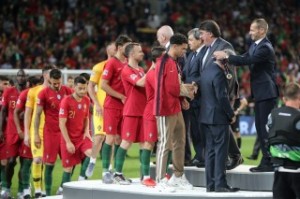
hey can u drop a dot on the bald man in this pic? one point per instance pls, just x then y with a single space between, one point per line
163 35
98 96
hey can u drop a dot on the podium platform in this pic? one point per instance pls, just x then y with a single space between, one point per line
253 185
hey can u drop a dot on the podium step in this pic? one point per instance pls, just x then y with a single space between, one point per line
239 177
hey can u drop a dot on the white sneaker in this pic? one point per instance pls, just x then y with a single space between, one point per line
180 182
163 186
90 169
20 195
59 191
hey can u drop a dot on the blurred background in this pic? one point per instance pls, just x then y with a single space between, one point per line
73 33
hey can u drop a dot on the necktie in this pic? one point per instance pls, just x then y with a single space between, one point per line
205 56
194 56
252 49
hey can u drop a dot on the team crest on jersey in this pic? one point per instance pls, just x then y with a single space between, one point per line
58 97
61 111
133 76
79 106
99 127
105 72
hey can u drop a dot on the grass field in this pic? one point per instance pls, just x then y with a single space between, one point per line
131 167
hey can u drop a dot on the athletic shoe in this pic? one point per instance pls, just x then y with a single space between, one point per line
90 169
44 195
59 191
180 182
168 176
149 182
38 195
107 178
163 186
120 179
5 194
27 197
19 195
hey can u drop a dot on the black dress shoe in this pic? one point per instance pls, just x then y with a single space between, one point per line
210 189
262 168
252 157
234 162
227 189
200 164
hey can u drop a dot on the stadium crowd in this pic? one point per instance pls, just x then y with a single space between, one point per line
83 34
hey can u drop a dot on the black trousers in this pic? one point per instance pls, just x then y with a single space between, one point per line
286 185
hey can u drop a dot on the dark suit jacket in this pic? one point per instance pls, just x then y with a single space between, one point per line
191 72
262 70
215 104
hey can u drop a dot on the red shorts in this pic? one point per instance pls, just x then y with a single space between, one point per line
51 147
12 145
25 151
70 160
112 122
132 129
150 130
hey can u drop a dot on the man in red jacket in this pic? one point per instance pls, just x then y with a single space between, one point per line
167 108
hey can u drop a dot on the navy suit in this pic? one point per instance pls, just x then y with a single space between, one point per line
221 44
191 73
261 62
215 116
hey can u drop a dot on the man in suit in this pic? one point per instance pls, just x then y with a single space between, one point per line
210 34
261 60
191 73
216 114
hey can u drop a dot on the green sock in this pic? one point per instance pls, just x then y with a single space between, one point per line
141 163
115 154
146 162
84 166
65 178
20 187
120 158
48 178
169 160
26 173
106 153
3 177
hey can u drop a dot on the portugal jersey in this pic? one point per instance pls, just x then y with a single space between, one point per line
112 73
149 86
136 96
76 112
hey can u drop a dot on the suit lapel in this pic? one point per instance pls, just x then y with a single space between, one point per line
210 53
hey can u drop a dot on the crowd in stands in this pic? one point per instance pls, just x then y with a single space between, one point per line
73 33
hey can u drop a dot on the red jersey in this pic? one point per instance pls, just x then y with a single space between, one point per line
167 87
76 113
9 100
136 96
112 73
50 99
22 99
149 86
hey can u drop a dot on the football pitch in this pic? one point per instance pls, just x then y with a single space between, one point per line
131 166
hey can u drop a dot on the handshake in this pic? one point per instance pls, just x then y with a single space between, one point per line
188 90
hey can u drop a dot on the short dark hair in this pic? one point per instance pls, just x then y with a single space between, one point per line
70 77
47 68
85 75
129 47
122 39
211 26
291 91
33 80
156 52
178 39
55 73
80 80
4 78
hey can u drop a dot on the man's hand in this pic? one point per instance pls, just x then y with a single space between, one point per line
37 141
195 87
185 104
220 55
123 99
233 119
70 147
88 135
21 134
187 90
98 110
27 139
